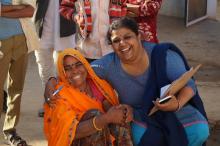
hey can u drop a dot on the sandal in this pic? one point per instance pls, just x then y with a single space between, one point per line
15 140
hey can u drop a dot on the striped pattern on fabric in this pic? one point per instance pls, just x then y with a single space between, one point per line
188 115
80 11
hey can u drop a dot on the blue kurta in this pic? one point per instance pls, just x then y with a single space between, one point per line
166 65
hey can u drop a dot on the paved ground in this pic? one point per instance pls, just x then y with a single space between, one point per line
200 43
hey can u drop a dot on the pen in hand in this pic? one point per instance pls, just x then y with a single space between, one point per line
57 91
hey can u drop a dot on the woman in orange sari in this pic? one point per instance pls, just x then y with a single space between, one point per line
88 111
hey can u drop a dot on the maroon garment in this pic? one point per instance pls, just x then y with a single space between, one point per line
147 19
96 93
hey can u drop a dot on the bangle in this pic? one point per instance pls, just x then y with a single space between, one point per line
94 125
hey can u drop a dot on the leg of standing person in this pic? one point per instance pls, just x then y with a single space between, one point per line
17 71
5 93
45 61
6 47
55 58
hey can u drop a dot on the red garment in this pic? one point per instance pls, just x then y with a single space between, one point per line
96 93
82 14
147 19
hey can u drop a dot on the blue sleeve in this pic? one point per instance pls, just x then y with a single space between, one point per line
99 68
176 67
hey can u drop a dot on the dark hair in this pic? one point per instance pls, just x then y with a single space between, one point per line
124 22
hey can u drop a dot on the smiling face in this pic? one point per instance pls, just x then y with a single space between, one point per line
75 72
126 44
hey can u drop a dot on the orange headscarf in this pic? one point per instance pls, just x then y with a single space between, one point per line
60 123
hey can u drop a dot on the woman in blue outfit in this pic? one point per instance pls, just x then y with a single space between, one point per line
138 70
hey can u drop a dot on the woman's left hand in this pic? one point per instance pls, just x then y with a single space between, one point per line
133 8
171 105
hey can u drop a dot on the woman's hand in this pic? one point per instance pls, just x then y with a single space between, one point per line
116 115
171 105
49 90
133 8
129 112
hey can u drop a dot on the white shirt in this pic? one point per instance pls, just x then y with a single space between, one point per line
96 45
51 30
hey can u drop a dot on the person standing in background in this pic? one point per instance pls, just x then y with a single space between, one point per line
55 33
18 37
93 18
145 13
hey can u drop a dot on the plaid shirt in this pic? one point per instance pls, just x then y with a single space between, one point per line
81 13
147 19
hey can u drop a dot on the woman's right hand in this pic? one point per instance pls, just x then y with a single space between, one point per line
49 90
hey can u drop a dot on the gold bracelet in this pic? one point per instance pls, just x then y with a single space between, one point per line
94 125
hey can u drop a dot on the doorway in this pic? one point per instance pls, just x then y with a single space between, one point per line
195 11
218 11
